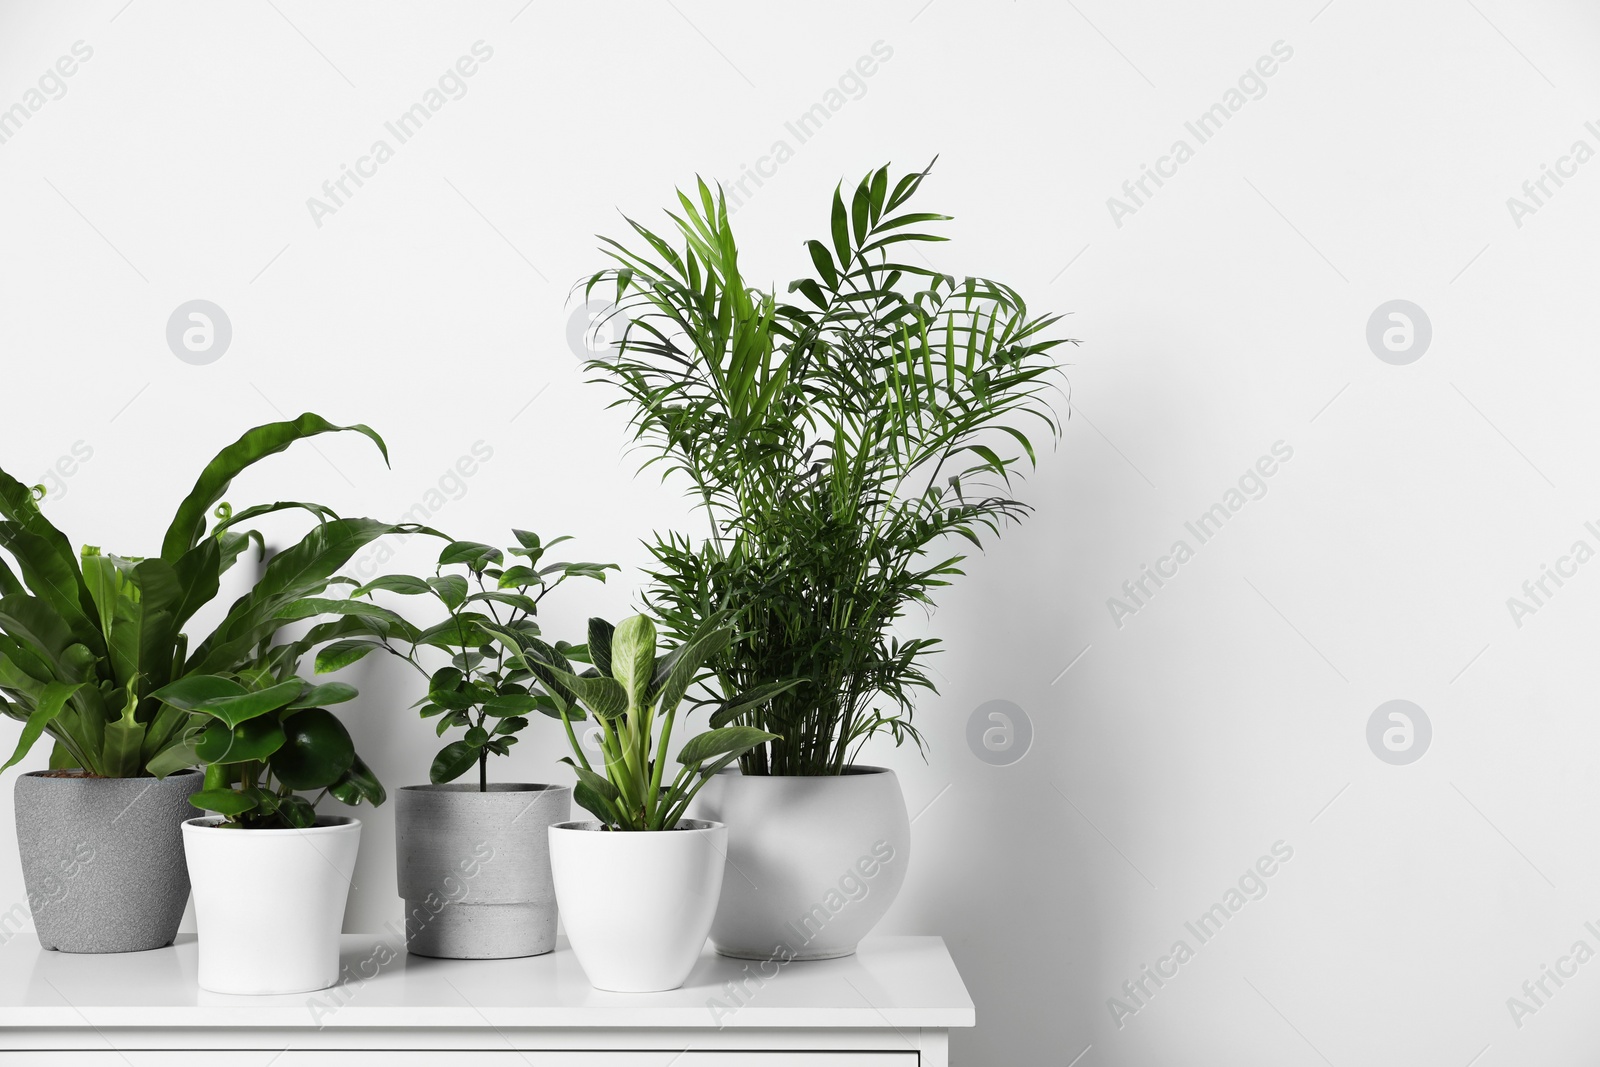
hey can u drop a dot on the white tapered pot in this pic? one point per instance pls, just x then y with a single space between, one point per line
637 906
813 862
269 904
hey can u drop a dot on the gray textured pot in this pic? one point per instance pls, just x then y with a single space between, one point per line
474 868
102 859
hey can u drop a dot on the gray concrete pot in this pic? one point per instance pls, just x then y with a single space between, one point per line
474 868
102 859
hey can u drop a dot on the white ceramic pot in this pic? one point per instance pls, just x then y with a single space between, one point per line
637 906
269 904
813 862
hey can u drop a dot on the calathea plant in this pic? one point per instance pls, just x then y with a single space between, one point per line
489 608
634 695
87 641
836 438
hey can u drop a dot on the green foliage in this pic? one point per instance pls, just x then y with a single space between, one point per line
490 608
834 442
633 695
87 640
262 741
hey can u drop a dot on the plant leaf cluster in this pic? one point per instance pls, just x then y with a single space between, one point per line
633 693
88 640
490 608
836 438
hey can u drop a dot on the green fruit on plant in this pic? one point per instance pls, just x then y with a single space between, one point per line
316 751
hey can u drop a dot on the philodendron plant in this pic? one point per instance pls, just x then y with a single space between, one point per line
634 694
488 607
87 641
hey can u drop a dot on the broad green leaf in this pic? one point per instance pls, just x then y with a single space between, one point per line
404 584
600 637
341 654
253 739
297 811
520 601
451 589
452 762
519 577
51 701
36 628
467 630
124 739
316 752
358 784
385 620
317 696
446 680
228 802
596 805
110 583
633 657
726 741
236 709
303 570
691 657
597 782
474 554
451 721
45 557
507 704
162 597
188 525
603 696
173 759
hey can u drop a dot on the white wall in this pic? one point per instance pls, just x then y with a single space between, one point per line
1226 313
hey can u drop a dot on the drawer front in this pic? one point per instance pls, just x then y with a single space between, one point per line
464 1058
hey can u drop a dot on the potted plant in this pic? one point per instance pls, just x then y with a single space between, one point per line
271 876
473 858
86 641
835 443
637 885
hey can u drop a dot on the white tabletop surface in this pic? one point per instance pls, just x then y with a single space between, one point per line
891 982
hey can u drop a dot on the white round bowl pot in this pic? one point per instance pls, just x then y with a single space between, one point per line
813 862
637 905
269 904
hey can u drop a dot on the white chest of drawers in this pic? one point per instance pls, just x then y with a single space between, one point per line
891 1005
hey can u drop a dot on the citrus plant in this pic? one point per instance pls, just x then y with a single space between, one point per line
481 689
